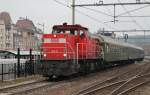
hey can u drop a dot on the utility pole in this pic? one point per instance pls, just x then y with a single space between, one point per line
73 12
114 14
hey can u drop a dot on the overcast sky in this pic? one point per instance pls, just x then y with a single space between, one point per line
51 13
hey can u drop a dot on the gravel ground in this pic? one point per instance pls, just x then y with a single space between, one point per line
20 80
71 87
143 90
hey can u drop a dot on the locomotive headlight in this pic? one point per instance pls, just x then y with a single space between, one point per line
65 55
44 55
54 35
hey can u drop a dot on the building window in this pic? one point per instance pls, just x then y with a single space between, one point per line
2 30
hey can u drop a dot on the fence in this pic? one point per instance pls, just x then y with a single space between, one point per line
14 68
10 70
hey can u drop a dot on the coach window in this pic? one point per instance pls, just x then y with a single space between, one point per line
107 48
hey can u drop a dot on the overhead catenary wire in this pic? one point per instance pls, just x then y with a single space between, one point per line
109 11
134 21
136 16
97 20
137 9
97 11
104 13
82 13
120 15
127 12
146 21
62 4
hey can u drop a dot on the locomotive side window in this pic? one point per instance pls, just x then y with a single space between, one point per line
82 34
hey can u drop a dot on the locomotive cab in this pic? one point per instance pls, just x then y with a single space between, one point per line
64 42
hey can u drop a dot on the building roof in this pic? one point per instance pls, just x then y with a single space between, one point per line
6 18
25 24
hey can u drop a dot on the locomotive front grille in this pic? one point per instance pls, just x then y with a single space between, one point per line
50 68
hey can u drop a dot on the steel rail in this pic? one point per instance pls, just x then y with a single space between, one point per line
123 88
39 87
97 83
133 88
115 84
2 89
25 89
110 81
34 89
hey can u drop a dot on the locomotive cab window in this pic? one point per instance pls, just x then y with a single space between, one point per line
71 32
82 35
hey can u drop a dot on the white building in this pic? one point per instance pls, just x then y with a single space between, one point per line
23 34
2 35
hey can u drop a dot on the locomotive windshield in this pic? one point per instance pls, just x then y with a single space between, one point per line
71 32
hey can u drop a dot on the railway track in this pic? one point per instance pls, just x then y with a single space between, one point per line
23 89
9 87
131 84
27 88
109 85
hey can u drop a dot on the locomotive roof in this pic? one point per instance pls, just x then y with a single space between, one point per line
69 27
113 41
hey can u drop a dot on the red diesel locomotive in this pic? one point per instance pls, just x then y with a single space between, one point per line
71 49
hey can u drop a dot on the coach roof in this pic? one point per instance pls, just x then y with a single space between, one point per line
114 41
